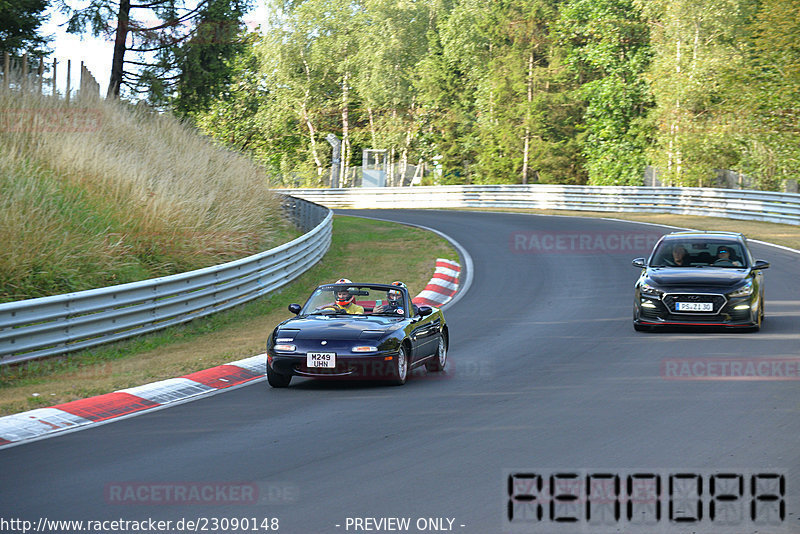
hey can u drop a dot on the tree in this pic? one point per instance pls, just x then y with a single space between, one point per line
764 115
391 41
697 46
204 61
19 26
608 47
527 138
157 43
495 80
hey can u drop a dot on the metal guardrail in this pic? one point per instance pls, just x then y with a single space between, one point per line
729 203
59 324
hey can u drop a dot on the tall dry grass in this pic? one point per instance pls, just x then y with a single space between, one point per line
101 192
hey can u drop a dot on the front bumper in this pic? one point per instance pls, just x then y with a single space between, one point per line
727 312
376 365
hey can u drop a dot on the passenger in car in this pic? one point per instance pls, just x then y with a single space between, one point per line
394 300
679 256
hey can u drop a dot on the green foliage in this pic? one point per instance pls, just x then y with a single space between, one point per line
608 50
127 195
510 91
19 26
764 113
698 59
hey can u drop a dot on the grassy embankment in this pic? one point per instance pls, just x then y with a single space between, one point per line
98 193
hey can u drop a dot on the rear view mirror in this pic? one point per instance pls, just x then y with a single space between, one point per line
761 264
638 262
295 308
425 310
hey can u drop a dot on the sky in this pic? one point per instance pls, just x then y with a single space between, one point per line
97 52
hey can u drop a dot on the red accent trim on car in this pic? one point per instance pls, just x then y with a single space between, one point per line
645 323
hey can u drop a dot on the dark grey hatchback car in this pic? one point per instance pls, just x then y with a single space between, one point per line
699 279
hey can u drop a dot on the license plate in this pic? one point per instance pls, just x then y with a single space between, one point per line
321 359
694 306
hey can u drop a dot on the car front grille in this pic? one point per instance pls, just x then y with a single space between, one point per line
718 301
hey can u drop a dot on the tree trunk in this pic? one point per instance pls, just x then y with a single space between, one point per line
309 124
526 149
372 131
118 61
313 139
345 126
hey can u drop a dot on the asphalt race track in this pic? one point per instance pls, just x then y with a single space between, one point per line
545 376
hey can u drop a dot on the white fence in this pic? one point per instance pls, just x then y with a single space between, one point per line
733 204
64 323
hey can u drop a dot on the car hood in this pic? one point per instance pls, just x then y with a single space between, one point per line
694 276
338 327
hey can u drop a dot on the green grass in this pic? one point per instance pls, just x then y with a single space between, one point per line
97 193
361 250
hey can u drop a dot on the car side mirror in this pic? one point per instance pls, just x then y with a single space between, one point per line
295 308
425 311
761 264
638 262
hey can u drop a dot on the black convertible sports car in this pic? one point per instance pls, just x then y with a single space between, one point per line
348 330
699 279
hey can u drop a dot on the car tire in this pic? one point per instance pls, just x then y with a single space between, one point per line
759 320
400 367
437 363
277 380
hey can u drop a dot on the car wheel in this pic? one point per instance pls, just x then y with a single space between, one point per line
277 380
401 367
759 319
437 363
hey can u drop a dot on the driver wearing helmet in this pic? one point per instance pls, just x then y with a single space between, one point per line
394 300
346 301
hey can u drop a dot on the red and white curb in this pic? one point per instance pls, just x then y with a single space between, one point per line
442 287
46 422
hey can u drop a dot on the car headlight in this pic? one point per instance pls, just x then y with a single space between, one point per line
650 291
744 291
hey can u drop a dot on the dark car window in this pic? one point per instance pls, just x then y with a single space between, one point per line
374 300
699 253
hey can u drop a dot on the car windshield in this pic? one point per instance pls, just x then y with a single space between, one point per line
355 300
699 253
